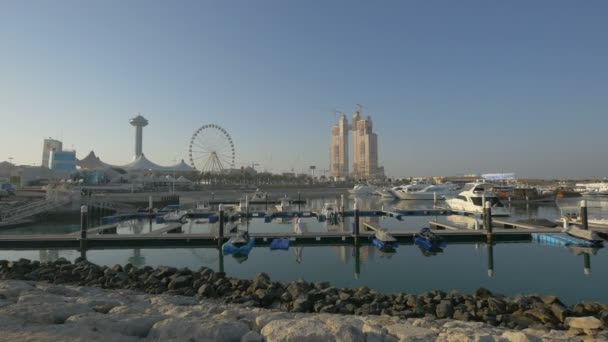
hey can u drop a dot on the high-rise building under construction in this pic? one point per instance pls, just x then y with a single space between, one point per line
365 148
338 153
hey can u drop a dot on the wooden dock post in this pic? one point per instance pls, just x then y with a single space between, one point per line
584 219
490 260
220 239
356 223
434 199
84 216
357 259
487 219
221 260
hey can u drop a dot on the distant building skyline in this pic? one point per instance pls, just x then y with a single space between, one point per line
455 87
338 149
365 148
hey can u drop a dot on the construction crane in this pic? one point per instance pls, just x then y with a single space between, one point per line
360 107
337 114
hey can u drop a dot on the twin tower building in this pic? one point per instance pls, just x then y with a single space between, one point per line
365 149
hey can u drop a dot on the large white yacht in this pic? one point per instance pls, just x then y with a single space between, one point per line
471 199
424 191
363 190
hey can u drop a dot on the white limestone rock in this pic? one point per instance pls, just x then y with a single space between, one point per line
303 330
589 323
406 332
181 329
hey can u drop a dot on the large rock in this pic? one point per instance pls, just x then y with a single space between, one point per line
137 326
518 336
262 320
252 336
302 330
408 332
444 309
588 323
44 313
180 282
181 329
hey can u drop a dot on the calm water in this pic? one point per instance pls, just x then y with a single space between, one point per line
508 268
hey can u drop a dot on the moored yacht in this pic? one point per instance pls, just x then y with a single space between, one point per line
424 191
385 192
362 189
472 198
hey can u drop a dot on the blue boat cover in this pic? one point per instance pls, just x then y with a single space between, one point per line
426 244
383 244
229 248
560 240
279 244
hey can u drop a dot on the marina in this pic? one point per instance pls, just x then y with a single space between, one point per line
142 235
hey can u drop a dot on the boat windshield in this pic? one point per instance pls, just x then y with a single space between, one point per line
493 201
468 187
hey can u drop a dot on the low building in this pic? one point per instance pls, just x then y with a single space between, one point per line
62 160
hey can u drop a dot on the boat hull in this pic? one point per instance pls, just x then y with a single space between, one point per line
420 196
458 205
229 248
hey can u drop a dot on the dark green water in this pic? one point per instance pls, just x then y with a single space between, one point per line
507 268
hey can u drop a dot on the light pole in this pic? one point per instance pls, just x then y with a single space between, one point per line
174 161
10 176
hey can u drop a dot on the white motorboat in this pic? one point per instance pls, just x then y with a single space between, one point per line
423 190
284 205
429 192
258 196
363 190
176 216
472 198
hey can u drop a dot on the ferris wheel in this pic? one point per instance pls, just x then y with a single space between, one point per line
211 149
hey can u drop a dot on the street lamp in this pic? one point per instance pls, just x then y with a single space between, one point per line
10 176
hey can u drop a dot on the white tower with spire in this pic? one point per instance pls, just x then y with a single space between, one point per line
139 122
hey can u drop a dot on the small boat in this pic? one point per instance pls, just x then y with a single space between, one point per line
284 205
523 195
176 216
241 244
561 240
330 213
384 241
564 192
426 239
258 196
385 246
279 243
362 190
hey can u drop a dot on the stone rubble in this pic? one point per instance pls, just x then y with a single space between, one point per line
81 301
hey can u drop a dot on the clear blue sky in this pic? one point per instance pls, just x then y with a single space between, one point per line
453 86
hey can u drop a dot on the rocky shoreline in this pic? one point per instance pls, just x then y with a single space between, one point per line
535 317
